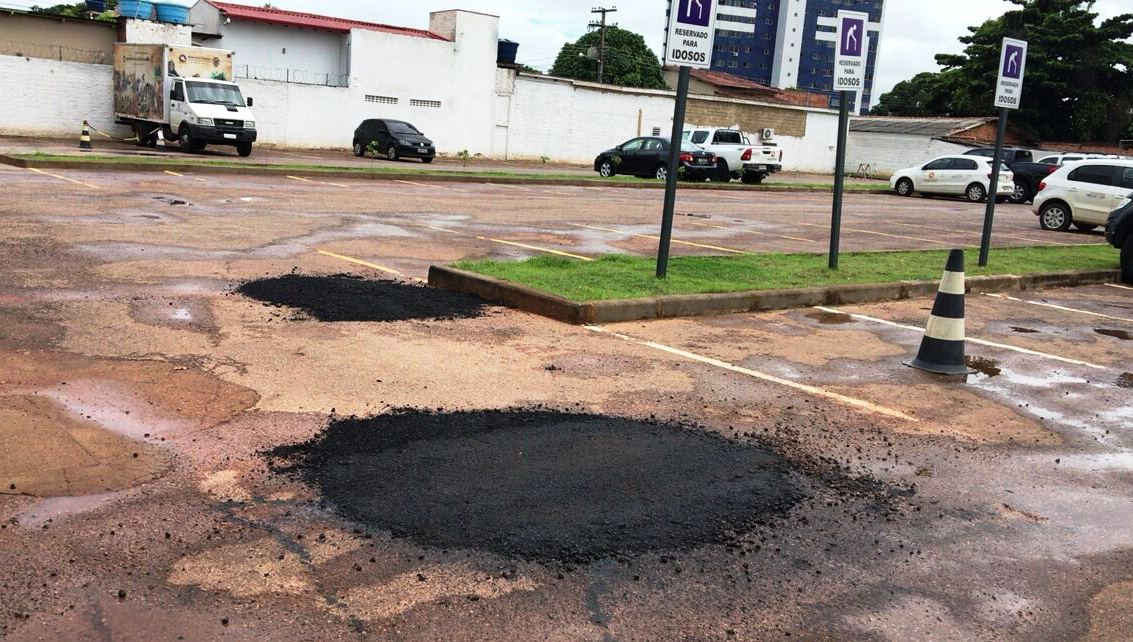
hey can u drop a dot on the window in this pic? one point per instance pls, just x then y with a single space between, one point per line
938 164
653 145
1049 160
1093 174
417 102
964 164
728 138
384 100
178 93
699 137
1125 179
633 145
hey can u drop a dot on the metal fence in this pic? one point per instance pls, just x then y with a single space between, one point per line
54 52
296 76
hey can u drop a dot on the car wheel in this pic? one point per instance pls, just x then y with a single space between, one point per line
359 151
606 169
904 187
391 153
427 160
975 193
1055 217
1084 227
1127 260
662 173
1020 195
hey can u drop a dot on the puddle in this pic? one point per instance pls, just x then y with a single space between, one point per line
1023 330
984 366
830 318
1125 380
542 485
181 314
1113 461
115 409
346 297
55 508
1124 335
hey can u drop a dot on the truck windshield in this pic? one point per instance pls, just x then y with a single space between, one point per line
209 93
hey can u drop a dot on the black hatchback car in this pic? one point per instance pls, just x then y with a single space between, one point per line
648 157
1119 233
393 139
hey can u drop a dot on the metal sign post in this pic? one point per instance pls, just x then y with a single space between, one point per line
1008 91
692 31
849 77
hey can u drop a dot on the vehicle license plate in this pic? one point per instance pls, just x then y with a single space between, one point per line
231 136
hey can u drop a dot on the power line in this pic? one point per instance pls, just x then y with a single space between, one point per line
602 39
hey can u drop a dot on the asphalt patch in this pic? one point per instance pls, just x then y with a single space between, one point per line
348 297
1125 380
830 318
1124 335
542 485
984 366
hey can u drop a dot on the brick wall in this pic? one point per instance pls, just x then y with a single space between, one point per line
750 118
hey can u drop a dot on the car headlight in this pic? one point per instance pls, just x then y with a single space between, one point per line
204 121
250 124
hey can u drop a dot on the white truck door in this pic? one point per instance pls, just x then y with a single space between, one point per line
177 105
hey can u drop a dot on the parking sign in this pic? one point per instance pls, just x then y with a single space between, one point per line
692 31
1012 66
850 58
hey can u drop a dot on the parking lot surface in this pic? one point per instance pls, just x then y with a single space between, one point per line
182 458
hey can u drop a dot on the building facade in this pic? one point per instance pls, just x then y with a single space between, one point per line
790 43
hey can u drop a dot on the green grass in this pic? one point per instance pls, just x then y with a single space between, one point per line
626 277
380 167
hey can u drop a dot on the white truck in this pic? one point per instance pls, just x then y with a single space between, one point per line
185 92
736 156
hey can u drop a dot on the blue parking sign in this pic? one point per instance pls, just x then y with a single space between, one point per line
694 12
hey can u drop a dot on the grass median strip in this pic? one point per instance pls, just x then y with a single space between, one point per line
619 276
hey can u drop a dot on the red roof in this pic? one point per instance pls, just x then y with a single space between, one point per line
313 21
732 81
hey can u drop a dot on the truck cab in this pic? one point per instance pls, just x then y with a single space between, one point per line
203 112
736 156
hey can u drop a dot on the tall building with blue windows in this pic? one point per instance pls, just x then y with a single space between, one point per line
790 43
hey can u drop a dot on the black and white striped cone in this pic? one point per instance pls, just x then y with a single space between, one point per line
84 138
942 349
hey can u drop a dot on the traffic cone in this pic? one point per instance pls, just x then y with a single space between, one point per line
160 144
942 349
84 138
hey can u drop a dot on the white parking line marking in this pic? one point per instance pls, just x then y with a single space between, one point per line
439 229
1058 307
307 180
982 342
1114 285
860 404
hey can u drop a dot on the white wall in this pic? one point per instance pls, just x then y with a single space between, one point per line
269 50
52 98
816 151
573 121
149 32
887 153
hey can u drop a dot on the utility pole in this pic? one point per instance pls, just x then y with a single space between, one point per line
602 39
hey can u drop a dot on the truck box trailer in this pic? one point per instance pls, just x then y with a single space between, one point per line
186 92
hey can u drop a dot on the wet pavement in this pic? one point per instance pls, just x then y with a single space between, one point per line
181 461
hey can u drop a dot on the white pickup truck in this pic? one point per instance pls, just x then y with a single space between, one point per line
736 156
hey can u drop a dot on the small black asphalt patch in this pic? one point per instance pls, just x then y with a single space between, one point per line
541 485
347 297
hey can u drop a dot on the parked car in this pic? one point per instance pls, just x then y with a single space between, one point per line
393 139
648 157
736 156
967 176
1119 233
1010 156
1027 179
1083 194
1064 159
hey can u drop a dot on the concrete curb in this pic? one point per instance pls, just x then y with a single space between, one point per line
612 311
456 177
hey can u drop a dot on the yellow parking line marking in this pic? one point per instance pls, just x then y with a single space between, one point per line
63 178
980 234
1114 285
412 183
982 342
1058 307
896 236
658 238
334 184
518 187
731 229
860 404
375 266
536 248
300 178
172 173
202 180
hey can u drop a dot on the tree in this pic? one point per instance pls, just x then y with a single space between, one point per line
1079 83
78 10
629 61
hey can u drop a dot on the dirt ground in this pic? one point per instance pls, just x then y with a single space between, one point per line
144 403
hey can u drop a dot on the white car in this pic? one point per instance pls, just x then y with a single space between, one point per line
1083 193
1066 159
967 176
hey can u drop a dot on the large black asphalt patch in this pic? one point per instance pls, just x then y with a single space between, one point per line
543 485
346 297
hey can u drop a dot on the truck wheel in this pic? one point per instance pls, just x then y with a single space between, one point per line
185 138
1020 195
752 178
723 174
141 134
244 149
1127 260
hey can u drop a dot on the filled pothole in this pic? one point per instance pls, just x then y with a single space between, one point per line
347 297
543 485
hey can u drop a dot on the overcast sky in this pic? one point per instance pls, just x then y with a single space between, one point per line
915 30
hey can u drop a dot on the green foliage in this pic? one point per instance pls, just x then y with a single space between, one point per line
79 10
464 155
528 69
1079 84
629 61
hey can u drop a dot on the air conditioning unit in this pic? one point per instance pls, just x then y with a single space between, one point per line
768 133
